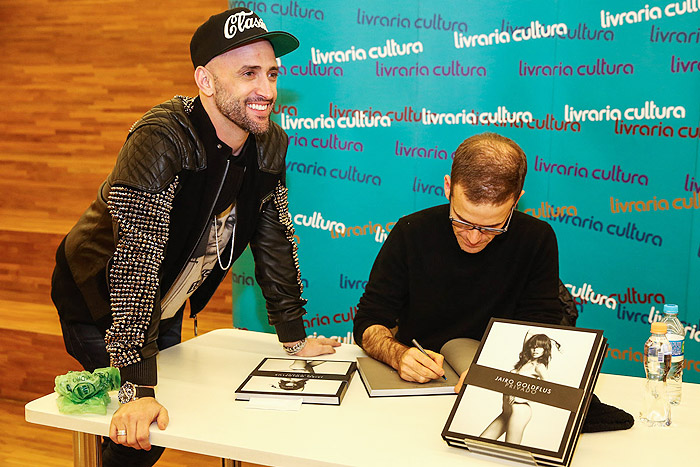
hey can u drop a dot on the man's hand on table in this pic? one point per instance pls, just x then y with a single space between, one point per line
135 418
413 365
318 346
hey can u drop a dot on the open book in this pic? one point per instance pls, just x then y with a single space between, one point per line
527 392
313 381
382 380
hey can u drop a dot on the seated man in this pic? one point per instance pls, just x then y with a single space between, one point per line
444 272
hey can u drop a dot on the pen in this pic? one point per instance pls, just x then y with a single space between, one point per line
415 342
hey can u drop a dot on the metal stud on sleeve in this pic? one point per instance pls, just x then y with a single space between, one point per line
143 220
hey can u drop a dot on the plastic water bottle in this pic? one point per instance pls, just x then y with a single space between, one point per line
656 408
676 336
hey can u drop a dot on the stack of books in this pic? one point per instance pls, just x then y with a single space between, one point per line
312 381
527 392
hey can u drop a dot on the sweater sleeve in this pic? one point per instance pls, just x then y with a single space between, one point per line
386 293
539 301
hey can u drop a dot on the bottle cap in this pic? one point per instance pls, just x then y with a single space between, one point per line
658 327
670 308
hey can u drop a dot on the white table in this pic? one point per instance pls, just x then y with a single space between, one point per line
197 380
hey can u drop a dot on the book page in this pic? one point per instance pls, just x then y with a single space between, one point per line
459 353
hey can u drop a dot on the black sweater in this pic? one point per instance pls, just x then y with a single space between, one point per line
424 283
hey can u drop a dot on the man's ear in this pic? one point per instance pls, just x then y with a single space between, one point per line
205 81
447 187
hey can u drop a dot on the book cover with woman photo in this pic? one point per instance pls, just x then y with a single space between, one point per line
527 391
314 381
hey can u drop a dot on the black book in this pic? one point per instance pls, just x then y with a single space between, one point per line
527 392
313 381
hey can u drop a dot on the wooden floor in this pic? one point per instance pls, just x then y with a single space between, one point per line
75 75
25 444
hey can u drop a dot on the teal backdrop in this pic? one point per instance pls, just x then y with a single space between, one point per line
604 97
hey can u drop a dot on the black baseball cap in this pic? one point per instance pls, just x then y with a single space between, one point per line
234 28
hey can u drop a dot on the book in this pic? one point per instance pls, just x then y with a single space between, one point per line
527 391
313 381
382 380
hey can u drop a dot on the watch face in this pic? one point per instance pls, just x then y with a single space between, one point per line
127 393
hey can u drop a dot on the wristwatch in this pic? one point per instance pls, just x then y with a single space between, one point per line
130 392
295 348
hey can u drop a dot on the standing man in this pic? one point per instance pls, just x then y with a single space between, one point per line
197 180
444 272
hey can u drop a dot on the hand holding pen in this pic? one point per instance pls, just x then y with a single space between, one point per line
415 342
420 365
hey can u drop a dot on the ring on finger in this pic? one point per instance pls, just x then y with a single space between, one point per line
121 432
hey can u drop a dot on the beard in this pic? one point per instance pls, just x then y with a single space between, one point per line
236 111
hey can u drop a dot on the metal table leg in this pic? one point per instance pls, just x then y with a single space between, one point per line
87 450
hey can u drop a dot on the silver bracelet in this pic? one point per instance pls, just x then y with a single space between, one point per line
295 348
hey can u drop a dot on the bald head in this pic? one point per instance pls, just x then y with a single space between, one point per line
489 168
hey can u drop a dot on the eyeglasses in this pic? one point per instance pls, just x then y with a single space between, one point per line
464 225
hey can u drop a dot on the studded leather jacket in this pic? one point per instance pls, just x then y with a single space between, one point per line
151 213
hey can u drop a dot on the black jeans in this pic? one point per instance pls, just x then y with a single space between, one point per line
85 343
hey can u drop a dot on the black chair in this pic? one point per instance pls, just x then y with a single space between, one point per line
568 306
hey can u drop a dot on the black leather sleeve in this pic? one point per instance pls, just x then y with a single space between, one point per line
277 267
158 147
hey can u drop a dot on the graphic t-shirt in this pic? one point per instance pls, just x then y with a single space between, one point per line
223 227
